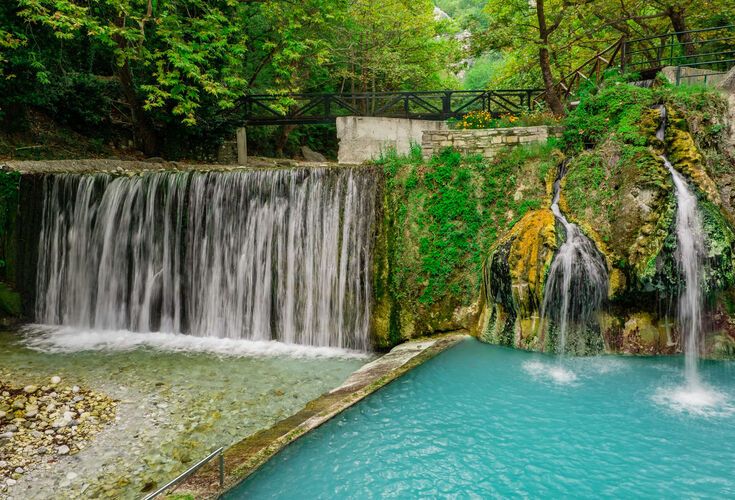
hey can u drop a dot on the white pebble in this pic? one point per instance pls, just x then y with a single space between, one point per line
55 380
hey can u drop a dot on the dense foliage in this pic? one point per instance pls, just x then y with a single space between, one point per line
171 74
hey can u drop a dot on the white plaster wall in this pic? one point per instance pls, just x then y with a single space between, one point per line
364 138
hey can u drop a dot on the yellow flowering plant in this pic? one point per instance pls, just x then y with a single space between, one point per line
484 119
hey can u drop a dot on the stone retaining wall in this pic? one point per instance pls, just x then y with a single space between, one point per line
485 142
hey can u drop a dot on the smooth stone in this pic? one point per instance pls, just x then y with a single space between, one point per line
19 470
30 389
55 380
63 450
71 476
10 482
75 389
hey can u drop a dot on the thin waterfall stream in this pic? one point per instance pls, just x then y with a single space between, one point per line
578 280
690 256
575 290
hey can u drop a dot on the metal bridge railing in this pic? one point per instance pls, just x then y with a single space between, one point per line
191 470
269 109
709 48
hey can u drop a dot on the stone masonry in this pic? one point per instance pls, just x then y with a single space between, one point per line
484 142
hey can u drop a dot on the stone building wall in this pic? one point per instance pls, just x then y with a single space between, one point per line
485 142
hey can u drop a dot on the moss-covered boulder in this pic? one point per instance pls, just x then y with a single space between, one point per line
514 278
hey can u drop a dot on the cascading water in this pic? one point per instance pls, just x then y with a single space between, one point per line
690 256
578 280
259 255
694 396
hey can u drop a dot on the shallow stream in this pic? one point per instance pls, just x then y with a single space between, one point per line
176 404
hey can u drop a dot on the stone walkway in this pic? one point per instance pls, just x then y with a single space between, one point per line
245 457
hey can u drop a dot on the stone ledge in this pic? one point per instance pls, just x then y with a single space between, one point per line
122 167
245 457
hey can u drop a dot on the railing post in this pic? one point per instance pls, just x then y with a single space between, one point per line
222 468
242 146
446 104
327 105
671 49
405 105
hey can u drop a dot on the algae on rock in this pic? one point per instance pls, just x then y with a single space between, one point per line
514 277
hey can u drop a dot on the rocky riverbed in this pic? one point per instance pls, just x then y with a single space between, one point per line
40 424
164 410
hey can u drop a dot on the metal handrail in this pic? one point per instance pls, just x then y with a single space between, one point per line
670 33
191 470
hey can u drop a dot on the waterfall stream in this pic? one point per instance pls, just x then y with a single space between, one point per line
578 281
690 256
259 255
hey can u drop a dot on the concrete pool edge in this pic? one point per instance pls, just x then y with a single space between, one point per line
245 457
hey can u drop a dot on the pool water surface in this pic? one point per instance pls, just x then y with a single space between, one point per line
486 421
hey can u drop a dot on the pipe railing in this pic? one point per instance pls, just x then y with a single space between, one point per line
191 470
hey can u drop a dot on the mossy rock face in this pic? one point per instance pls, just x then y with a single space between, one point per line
618 190
622 197
514 277
438 220
685 157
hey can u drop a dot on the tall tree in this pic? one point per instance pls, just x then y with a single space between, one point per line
172 56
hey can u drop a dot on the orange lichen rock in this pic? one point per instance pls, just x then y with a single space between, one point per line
532 247
686 158
514 279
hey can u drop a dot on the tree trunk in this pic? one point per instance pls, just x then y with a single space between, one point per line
678 22
283 139
552 98
145 135
143 130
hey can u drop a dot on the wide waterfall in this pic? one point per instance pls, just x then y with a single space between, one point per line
260 255
578 281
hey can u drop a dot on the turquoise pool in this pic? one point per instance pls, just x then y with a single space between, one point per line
481 421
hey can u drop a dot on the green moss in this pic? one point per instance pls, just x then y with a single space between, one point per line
441 216
9 301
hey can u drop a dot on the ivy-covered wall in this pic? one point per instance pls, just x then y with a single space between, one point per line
438 219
